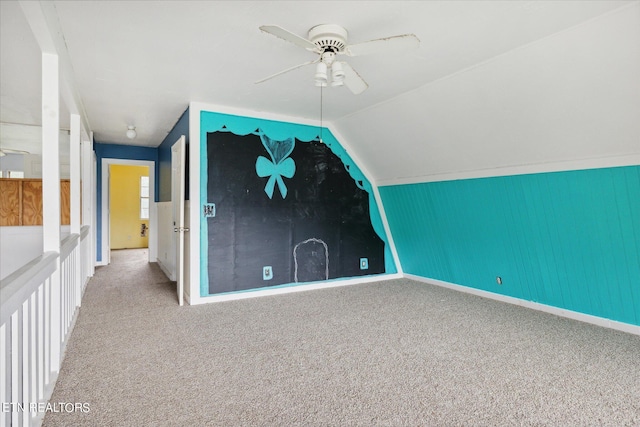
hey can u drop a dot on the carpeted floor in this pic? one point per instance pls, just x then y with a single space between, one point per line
394 353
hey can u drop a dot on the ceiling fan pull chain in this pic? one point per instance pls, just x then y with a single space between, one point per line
321 141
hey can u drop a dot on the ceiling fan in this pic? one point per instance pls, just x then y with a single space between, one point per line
330 40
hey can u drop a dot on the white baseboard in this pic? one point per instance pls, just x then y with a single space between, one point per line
574 315
232 296
165 270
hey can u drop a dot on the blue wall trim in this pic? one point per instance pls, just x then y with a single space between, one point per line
164 159
115 151
566 239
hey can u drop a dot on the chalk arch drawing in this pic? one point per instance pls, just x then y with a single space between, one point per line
326 255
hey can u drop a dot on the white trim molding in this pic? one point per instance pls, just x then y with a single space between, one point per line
288 289
573 165
574 315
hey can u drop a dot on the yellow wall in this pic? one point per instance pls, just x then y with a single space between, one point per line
124 202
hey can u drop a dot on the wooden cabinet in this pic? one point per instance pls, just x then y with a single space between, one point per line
65 202
10 201
31 202
21 202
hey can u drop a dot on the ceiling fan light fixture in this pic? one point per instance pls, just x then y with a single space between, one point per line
321 74
337 74
131 132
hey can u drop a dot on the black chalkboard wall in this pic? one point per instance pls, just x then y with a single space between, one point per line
286 212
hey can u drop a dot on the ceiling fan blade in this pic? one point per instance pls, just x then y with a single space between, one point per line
287 70
352 80
393 44
289 36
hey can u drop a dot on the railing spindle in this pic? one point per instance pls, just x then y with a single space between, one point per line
5 371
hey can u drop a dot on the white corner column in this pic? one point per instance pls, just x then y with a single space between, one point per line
74 151
88 187
51 190
74 160
50 152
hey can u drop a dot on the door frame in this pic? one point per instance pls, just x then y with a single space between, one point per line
106 219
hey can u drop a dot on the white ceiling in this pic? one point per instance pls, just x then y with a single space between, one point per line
142 62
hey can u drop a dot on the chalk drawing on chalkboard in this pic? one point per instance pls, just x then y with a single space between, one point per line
275 172
310 262
279 166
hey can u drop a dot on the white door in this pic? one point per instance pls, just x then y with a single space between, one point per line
177 202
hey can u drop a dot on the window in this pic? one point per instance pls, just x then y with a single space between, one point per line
144 197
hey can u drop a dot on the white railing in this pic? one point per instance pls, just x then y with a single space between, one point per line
69 280
39 304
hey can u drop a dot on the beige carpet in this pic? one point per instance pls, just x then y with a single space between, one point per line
395 353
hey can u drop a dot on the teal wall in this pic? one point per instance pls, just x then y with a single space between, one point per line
566 239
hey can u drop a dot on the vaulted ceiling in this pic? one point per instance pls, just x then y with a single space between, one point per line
494 84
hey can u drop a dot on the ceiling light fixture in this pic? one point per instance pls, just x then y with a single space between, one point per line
337 74
131 132
329 70
321 74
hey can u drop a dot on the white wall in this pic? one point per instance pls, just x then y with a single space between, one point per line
33 166
11 162
568 101
19 245
166 240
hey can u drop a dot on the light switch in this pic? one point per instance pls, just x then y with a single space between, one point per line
267 272
209 210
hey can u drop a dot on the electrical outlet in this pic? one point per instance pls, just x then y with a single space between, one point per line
499 280
364 263
209 210
267 272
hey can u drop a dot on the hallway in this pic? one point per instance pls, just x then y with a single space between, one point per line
126 303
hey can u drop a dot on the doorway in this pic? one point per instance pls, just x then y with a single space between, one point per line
105 247
129 207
